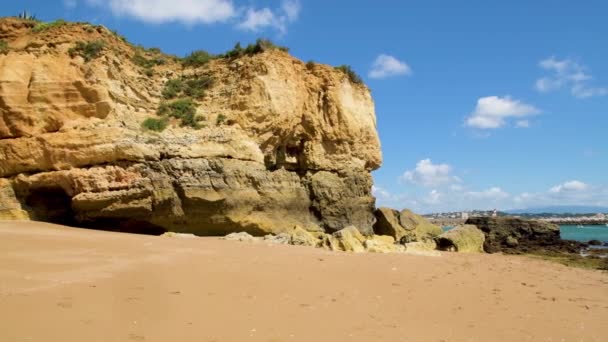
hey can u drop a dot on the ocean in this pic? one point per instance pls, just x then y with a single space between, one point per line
573 232
584 234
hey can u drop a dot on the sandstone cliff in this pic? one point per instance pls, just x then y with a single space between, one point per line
281 142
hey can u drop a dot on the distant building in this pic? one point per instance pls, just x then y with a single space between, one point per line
495 213
464 215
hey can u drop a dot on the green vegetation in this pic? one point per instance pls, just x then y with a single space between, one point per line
259 46
197 58
189 87
183 109
157 125
40 27
25 15
352 75
147 63
310 65
3 47
88 50
220 120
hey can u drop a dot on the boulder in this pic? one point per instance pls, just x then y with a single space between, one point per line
300 237
463 238
350 239
404 226
382 244
387 223
241 236
419 228
515 235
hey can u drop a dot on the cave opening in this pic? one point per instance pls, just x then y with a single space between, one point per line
52 205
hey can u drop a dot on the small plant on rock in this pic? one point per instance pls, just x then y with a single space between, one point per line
88 50
220 120
157 125
3 47
197 59
350 73
182 109
40 27
190 87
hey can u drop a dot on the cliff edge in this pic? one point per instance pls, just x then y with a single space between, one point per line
97 132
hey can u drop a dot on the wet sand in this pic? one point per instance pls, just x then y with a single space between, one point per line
65 284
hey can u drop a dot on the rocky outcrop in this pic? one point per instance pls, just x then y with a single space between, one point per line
404 226
463 238
514 235
294 147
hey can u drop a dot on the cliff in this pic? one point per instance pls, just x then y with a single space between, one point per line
271 142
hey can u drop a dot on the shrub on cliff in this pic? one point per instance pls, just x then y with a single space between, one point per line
190 87
40 27
182 109
197 58
147 63
153 124
3 47
88 50
220 120
352 75
259 46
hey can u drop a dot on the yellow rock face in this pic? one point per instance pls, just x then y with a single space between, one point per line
297 146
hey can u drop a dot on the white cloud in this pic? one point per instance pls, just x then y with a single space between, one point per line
428 174
522 124
566 73
160 11
571 186
256 20
203 12
387 66
493 194
493 111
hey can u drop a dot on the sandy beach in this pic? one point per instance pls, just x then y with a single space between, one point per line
66 284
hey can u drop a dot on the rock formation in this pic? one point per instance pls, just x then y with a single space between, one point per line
282 143
514 235
404 226
464 238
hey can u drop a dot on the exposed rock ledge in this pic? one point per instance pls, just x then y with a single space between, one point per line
297 147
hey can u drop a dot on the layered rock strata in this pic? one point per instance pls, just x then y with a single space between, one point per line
284 143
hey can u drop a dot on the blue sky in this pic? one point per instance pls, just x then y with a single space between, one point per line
480 104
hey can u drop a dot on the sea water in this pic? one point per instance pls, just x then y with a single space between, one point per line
584 234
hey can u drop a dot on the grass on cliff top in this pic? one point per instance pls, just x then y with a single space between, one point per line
350 73
193 87
259 46
40 27
87 50
200 57
182 109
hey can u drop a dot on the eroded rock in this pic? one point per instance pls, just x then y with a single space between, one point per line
464 238
296 147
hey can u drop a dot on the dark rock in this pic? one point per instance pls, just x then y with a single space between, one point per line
595 243
515 236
